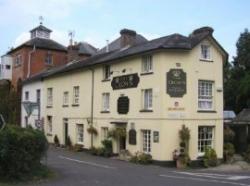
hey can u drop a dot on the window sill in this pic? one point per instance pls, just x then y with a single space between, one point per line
65 106
75 105
146 110
206 60
206 111
105 112
146 73
50 65
105 80
49 106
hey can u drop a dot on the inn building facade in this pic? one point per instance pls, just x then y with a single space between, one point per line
150 88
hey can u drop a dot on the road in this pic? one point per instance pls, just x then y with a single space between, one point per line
76 169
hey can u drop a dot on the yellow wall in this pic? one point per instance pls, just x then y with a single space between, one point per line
161 119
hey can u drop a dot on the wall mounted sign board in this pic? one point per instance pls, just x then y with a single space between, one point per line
126 81
176 83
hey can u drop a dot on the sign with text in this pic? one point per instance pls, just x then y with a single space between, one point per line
126 81
176 83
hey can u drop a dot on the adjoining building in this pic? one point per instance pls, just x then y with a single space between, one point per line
6 68
149 88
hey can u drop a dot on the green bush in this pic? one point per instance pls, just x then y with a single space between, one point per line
78 148
108 149
20 151
228 152
247 154
68 142
210 158
229 135
141 158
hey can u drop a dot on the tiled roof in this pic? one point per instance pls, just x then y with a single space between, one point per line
174 41
243 116
41 43
86 48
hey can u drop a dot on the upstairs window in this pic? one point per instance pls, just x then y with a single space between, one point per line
205 95
205 52
49 58
147 99
7 67
76 93
26 96
105 101
106 72
147 64
49 97
18 60
66 98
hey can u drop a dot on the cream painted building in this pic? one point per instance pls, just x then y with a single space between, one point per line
150 88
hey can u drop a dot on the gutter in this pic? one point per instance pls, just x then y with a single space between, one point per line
29 62
92 102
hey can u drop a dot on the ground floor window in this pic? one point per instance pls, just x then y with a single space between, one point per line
49 122
146 137
104 133
205 138
79 128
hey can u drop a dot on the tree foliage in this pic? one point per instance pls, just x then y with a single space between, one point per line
237 76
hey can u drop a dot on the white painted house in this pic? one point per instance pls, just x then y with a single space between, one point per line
32 108
6 67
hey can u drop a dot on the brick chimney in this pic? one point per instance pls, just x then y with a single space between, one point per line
205 29
73 52
128 37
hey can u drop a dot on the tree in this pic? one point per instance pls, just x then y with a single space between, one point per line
237 76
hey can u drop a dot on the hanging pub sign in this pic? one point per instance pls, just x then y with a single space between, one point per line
176 83
132 137
126 81
123 105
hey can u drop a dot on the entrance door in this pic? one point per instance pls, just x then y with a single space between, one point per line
122 143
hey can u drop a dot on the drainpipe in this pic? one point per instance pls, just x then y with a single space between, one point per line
29 62
92 102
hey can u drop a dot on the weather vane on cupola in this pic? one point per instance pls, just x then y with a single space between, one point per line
41 20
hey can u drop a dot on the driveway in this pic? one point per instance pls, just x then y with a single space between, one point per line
76 169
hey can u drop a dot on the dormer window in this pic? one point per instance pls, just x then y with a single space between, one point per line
49 58
205 52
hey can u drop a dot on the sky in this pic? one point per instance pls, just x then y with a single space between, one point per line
96 21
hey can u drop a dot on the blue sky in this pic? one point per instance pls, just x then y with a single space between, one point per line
95 21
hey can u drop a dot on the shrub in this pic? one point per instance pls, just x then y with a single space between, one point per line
20 151
141 158
228 151
100 151
229 135
247 154
56 141
108 149
210 158
93 151
117 132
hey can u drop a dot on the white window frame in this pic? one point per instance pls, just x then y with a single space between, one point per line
18 60
80 133
65 98
147 99
205 52
49 124
106 72
76 95
205 95
104 131
147 64
146 141
205 138
49 58
49 97
105 101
